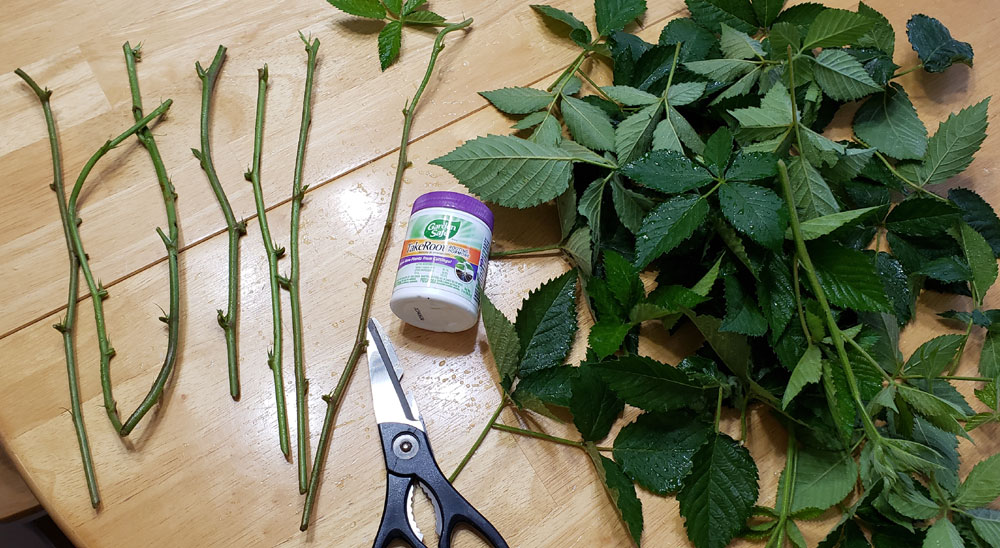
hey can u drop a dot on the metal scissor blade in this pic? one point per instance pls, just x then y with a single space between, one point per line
388 399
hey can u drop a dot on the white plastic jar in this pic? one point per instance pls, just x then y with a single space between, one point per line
442 268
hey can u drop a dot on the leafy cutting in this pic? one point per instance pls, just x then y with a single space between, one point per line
704 158
396 14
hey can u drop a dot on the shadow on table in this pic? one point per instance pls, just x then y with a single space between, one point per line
34 531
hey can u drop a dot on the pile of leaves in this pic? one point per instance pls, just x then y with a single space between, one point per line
797 257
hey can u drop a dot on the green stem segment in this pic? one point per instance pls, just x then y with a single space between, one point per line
560 83
673 69
909 183
831 323
787 492
957 359
96 288
798 301
273 254
907 71
512 252
948 378
718 410
173 317
864 353
538 435
298 191
802 257
227 319
479 441
596 86
66 327
546 437
333 398
572 68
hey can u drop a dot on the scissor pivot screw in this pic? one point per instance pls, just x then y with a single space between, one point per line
405 446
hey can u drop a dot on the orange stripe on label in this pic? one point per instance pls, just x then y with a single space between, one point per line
440 248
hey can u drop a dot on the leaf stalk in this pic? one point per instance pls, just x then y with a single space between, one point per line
909 183
512 252
831 323
546 437
479 441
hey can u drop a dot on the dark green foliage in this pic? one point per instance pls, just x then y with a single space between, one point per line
396 15
545 325
578 31
706 164
594 406
658 449
934 44
719 493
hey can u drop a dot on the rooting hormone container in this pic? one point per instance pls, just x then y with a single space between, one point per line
442 269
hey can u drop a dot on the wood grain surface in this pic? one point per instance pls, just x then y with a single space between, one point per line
15 497
203 470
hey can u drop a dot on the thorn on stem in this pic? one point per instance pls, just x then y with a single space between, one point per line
241 227
248 175
328 399
279 252
364 280
284 282
60 327
223 319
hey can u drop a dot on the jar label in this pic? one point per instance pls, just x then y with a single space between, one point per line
445 251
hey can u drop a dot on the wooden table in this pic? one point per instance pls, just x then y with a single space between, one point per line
16 499
205 470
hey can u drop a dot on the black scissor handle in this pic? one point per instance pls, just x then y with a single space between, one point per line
394 524
409 459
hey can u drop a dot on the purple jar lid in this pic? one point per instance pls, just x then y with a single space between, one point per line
454 200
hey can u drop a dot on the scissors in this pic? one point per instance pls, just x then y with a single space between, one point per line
409 461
